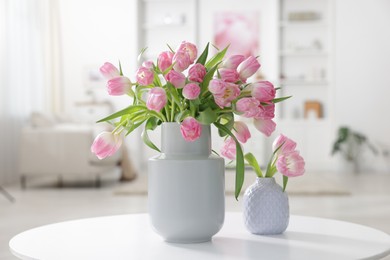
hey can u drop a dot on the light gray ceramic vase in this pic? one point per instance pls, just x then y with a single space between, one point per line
186 192
266 208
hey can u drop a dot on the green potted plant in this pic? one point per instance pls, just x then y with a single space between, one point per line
350 145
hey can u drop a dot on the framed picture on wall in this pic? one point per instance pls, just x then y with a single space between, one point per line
249 26
239 30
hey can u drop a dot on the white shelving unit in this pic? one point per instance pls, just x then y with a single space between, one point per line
305 72
305 56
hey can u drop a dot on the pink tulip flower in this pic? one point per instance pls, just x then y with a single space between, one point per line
228 149
157 99
197 73
242 131
190 129
266 111
176 78
109 71
290 164
118 86
233 61
191 91
288 144
148 64
249 106
144 76
230 93
224 92
229 75
248 67
190 49
217 87
182 61
267 127
106 144
263 91
164 60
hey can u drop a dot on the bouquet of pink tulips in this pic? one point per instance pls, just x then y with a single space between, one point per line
191 90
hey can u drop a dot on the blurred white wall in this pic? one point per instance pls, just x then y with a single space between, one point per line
362 64
93 32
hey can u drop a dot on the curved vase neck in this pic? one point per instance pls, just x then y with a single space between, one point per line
172 141
263 180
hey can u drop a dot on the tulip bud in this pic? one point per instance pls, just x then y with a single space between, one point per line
190 49
267 127
233 61
229 75
242 131
290 164
228 149
181 59
250 107
248 67
118 86
176 78
191 91
288 144
164 60
144 76
190 129
197 73
109 71
106 144
263 91
157 99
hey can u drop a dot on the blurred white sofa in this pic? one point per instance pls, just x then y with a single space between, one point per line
54 148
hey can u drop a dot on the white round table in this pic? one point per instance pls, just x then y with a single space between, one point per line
132 237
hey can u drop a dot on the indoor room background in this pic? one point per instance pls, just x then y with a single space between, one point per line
332 56
51 52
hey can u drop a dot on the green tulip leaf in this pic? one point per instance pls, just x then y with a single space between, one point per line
133 127
207 117
240 166
217 58
207 78
181 115
127 111
228 121
203 57
277 100
150 124
285 180
172 91
156 79
250 158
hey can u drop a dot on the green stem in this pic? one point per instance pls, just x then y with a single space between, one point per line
119 126
173 110
244 94
167 114
159 115
270 166
225 111
206 94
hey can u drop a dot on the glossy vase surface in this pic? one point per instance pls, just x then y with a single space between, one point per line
266 207
186 189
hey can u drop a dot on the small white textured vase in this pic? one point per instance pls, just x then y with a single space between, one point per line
266 208
186 192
